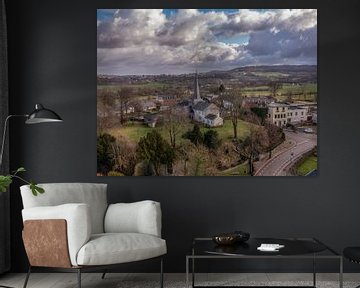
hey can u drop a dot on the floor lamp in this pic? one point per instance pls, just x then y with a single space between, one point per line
39 115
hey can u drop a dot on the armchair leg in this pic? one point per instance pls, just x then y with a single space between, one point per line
161 273
103 275
27 277
79 277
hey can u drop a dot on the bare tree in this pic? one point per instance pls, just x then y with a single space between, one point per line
289 97
123 97
249 116
232 102
105 109
252 146
125 156
174 121
274 88
201 163
275 137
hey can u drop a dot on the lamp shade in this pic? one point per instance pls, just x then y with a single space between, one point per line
42 115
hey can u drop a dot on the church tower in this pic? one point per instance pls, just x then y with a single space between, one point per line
196 95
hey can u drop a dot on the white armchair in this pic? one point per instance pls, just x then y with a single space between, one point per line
72 228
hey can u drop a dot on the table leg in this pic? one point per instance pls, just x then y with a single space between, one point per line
193 272
341 273
187 272
193 267
314 271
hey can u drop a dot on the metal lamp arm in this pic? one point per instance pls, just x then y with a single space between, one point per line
4 134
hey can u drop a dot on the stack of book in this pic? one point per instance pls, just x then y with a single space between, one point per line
270 247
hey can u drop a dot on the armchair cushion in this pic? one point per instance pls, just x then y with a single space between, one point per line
138 217
113 248
92 194
78 221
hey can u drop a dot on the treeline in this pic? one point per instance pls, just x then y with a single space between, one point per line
152 156
199 154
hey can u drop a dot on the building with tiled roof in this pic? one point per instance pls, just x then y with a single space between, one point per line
204 111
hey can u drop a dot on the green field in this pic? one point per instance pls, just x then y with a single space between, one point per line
150 85
309 89
270 75
148 90
307 166
134 131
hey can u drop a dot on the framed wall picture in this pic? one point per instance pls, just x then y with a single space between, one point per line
207 92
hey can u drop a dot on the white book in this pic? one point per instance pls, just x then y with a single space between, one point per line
270 247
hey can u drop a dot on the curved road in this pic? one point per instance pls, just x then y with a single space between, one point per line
281 163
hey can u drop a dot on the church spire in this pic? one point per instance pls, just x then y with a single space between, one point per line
196 95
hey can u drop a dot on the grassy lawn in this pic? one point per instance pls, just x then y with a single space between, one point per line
307 166
226 131
240 170
134 131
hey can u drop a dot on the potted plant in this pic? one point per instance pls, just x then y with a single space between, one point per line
6 180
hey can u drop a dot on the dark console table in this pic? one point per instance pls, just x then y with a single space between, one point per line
294 248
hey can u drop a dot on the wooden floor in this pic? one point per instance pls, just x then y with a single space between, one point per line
114 280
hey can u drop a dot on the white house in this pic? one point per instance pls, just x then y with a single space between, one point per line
297 114
278 113
207 113
148 105
204 111
314 117
281 114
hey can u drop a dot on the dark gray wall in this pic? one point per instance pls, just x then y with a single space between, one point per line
53 61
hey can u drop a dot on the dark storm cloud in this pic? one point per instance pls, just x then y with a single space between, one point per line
283 44
142 40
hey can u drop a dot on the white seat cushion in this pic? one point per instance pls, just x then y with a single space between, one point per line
114 248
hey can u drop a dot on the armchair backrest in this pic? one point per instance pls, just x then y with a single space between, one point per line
92 194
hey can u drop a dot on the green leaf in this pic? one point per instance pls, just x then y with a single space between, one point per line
20 169
36 189
5 182
39 189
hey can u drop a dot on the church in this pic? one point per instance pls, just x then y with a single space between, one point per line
204 111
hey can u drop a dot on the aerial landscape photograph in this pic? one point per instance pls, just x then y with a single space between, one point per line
207 92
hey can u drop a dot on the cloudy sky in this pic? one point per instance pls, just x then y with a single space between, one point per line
157 41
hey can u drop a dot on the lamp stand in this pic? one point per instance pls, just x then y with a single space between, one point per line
4 135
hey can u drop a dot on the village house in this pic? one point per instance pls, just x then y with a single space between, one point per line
257 101
203 111
207 113
277 113
281 114
297 114
151 119
314 117
148 105
167 100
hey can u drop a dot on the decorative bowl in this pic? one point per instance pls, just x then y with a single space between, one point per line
231 238
225 239
241 236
